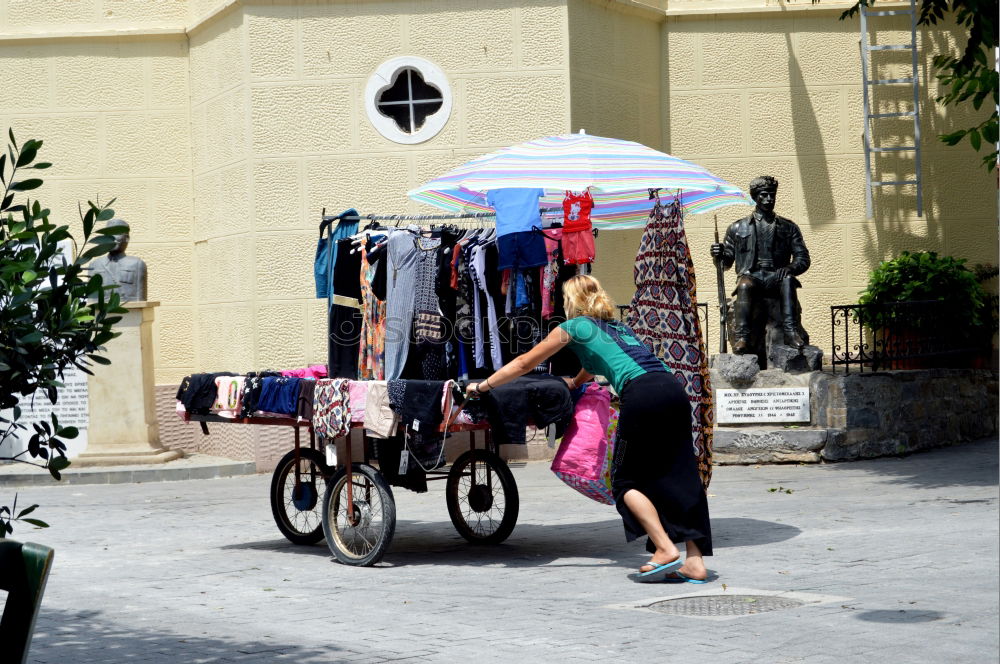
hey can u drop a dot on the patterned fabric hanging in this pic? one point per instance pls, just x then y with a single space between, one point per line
664 314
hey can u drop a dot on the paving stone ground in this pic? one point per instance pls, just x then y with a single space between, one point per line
897 557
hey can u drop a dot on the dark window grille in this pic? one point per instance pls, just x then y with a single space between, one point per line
409 101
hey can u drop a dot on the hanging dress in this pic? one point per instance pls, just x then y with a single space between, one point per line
664 314
371 355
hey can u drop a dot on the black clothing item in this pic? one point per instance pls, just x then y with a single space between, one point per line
655 456
304 403
345 335
377 257
539 398
387 452
251 391
198 392
421 414
345 315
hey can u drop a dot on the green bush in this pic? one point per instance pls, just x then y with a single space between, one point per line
52 316
924 276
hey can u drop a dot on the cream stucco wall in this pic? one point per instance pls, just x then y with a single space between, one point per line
113 115
279 133
780 93
760 88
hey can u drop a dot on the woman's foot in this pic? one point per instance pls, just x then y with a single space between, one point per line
661 558
693 568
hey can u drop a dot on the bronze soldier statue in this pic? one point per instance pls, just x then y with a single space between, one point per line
769 253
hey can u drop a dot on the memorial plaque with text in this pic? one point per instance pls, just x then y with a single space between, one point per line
71 408
765 404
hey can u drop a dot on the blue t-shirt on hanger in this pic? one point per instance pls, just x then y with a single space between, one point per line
517 209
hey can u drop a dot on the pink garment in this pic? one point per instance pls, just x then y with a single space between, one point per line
358 389
550 271
583 454
229 396
312 371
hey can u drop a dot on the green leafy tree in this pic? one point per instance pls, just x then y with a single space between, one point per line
52 316
969 77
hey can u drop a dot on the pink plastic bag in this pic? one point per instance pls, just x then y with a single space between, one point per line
583 455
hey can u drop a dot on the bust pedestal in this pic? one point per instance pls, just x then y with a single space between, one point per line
123 428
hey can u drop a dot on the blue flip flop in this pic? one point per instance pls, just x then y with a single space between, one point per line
658 573
680 578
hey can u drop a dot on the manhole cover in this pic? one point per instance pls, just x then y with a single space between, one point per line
723 605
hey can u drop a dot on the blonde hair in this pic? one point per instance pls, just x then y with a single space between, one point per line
583 296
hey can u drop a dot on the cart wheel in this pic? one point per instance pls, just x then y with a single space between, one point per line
482 497
362 536
296 509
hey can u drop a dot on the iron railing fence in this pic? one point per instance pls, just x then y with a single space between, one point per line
903 335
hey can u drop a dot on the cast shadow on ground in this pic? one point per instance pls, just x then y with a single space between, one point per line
588 544
899 616
90 636
975 464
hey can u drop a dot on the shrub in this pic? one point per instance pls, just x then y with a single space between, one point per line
921 277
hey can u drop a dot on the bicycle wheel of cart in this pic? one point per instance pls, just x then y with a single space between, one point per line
359 536
297 511
482 497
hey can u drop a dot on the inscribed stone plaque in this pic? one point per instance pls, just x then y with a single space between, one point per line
765 404
71 408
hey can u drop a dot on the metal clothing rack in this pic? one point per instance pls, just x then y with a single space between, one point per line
398 218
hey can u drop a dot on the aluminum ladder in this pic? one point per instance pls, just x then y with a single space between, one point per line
868 71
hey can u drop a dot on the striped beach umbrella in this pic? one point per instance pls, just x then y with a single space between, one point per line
619 175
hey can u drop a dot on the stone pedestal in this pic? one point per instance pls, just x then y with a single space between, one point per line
765 442
123 429
793 360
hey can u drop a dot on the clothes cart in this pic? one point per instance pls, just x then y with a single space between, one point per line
352 505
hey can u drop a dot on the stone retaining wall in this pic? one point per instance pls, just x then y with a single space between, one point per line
895 412
865 415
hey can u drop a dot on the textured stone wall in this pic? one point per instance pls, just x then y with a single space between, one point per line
778 91
864 415
19 15
280 133
895 412
113 115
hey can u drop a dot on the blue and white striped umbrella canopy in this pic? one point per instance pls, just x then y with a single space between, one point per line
618 174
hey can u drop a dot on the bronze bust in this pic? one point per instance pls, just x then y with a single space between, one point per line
128 273
769 253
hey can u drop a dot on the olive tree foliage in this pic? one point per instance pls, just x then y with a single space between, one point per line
970 76
52 316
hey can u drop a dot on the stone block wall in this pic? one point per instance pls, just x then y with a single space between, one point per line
865 415
896 412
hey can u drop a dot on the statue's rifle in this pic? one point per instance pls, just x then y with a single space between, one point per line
723 303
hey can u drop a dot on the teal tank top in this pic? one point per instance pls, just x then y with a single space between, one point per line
610 349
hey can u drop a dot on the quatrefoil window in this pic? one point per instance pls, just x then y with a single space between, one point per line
408 100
